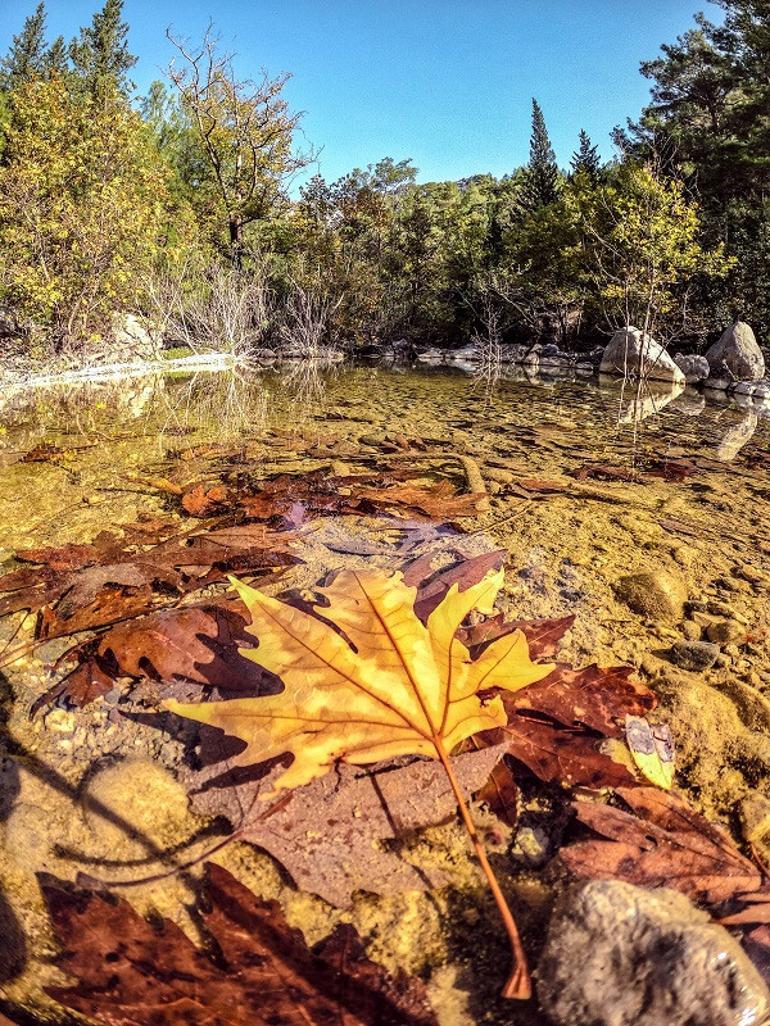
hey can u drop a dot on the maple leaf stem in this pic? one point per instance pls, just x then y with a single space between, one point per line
519 983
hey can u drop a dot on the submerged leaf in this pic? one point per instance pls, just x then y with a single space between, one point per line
666 844
131 972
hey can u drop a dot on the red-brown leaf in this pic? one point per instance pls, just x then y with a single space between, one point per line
665 843
130 972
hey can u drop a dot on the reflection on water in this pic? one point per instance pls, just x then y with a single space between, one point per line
113 431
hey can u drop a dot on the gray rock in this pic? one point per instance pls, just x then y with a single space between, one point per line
717 384
619 955
694 368
631 353
694 655
432 357
657 594
736 355
762 390
745 388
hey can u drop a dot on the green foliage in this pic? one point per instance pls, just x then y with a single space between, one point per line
97 197
27 56
644 249
542 180
100 56
96 202
585 160
710 116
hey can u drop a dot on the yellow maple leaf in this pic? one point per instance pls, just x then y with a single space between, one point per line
387 685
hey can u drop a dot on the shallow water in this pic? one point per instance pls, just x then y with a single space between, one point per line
74 462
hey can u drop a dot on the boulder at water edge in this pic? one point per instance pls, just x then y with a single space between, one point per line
620 955
630 352
694 368
736 355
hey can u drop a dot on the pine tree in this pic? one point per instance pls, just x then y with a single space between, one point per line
55 60
542 182
585 159
101 56
27 54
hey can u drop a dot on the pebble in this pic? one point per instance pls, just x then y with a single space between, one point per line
726 632
657 594
691 630
694 655
754 815
620 955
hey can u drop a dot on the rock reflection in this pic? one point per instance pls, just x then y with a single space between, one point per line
735 436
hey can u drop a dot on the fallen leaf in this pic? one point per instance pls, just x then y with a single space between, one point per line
386 685
197 644
652 749
131 972
573 758
336 835
662 842
433 587
605 472
593 697
543 636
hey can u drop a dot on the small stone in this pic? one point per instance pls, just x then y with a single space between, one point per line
719 608
530 846
754 812
620 955
694 655
61 721
657 594
691 630
726 632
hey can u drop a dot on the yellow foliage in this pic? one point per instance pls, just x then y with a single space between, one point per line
390 686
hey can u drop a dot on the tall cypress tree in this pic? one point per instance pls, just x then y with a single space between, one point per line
541 179
585 159
100 55
26 58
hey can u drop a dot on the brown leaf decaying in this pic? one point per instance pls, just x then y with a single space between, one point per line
381 684
131 972
319 493
662 842
336 835
558 726
199 644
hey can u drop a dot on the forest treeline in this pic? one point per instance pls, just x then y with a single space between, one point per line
111 202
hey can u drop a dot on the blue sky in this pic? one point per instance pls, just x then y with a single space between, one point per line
445 82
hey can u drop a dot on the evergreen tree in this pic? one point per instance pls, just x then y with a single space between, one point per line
26 57
100 55
585 159
55 60
541 183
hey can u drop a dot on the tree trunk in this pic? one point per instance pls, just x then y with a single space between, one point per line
236 243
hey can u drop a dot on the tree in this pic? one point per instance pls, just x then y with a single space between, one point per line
97 211
542 181
710 109
26 58
585 160
644 250
246 131
100 55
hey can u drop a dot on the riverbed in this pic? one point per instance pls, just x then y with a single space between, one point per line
586 483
